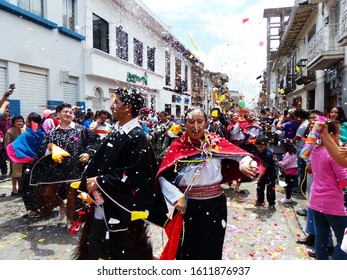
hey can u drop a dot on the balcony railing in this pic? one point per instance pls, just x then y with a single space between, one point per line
302 75
288 83
324 42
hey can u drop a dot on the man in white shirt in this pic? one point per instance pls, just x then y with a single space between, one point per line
100 126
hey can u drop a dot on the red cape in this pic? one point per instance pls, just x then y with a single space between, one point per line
246 124
183 148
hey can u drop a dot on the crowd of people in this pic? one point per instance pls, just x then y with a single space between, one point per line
130 165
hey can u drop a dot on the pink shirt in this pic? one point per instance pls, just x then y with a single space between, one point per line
289 162
48 125
326 194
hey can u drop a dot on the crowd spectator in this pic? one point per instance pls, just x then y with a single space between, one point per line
289 167
100 126
160 136
265 180
48 120
16 168
327 197
215 124
288 125
79 114
88 119
338 114
301 117
5 124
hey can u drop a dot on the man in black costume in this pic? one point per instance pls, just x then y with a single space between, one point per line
122 170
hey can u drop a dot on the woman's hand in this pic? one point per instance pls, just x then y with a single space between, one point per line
181 205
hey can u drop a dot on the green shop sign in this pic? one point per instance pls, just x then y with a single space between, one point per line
132 78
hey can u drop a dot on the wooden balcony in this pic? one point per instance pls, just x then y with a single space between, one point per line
304 76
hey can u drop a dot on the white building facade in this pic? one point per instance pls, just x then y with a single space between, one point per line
80 52
41 55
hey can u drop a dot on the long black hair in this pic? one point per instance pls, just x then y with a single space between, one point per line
341 116
36 118
288 146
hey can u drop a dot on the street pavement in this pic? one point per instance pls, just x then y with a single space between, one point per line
252 233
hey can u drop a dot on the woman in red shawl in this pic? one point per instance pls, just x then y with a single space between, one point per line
190 176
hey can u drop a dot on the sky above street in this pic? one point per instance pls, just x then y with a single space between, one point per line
228 36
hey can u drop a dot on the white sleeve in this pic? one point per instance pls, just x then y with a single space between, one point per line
247 160
170 191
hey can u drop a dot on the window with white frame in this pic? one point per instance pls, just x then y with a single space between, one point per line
32 6
69 14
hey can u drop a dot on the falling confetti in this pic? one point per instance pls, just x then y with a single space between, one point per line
191 40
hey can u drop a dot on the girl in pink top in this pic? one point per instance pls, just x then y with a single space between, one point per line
289 165
327 198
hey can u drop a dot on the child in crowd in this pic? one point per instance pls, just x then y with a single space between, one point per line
268 177
289 166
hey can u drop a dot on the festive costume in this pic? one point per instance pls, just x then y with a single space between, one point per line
125 167
198 168
74 140
23 150
25 147
161 141
45 171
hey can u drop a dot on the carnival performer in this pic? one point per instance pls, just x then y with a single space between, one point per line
74 139
23 150
243 134
123 171
190 176
215 125
160 136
